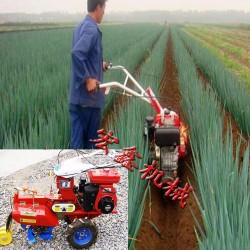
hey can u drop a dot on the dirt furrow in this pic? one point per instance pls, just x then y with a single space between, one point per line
165 224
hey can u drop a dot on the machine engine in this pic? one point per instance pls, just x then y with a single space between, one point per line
165 139
99 193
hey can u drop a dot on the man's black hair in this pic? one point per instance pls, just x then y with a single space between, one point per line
92 4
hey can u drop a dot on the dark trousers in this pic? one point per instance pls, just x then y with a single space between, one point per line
84 125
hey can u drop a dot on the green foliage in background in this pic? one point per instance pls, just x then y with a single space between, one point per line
231 46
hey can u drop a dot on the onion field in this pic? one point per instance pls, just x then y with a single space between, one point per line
185 69
230 44
34 76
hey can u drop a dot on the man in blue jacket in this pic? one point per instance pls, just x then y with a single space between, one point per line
86 99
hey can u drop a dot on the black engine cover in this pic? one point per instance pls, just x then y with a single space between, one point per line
90 192
106 205
167 136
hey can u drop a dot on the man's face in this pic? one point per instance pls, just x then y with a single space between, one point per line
100 12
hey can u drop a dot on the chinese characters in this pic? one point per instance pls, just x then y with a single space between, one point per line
105 139
171 187
127 158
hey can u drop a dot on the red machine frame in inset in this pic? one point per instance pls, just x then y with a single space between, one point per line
94 196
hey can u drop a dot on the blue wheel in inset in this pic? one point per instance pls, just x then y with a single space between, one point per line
82 233
83 236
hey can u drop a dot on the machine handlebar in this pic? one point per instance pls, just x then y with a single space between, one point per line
137 90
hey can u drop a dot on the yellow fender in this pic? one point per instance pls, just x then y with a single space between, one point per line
5 237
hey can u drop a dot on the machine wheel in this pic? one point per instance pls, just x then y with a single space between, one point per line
82 233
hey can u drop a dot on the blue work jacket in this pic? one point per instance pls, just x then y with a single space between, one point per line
87 59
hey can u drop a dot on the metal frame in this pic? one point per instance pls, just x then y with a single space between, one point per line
141 92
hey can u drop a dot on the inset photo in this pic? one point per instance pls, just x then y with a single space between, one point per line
71 199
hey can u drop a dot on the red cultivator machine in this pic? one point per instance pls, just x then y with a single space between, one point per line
166 134
77 205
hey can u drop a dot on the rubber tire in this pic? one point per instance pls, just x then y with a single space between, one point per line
79 224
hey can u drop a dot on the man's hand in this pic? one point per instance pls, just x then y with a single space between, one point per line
104 66
91 85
